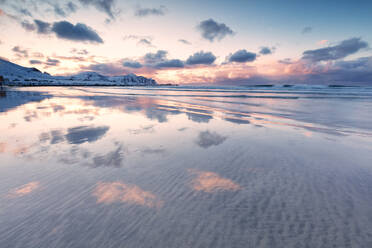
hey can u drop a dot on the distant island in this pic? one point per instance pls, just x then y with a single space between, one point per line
15 75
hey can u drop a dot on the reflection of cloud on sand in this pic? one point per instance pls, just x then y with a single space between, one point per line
211 182
206 139
143 129
82 134
108 193
24 189
111 159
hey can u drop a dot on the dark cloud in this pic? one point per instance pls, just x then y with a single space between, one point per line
106 68
42 27
351 72
132 64
58 10
266 50
28 26
173 63
106 6
82 134
154 58
184 42
201 58
52 62
207 139
20 52
242 56
145 42
24 11
78 32
212 30
71 7
345 48
35 62
307 30
142 12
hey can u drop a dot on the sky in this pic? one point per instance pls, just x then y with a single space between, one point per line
193 42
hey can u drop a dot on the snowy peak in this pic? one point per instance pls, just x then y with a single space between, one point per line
13 71
23 76
88 76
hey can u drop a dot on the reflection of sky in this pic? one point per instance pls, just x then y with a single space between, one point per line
108 193
111 164
211 182
80 122
24 189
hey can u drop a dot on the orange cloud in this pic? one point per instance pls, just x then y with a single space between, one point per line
2 147
211 182
322 42
108 193
24 189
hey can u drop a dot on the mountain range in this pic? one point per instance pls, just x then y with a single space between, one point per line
16 75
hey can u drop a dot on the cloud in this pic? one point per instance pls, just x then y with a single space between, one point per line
207 139
58 10
242 56
82 134
132 64
20 52
342 50
42 27
35 62
173 63
145 42
38 55
106 6
114 68
80 52
71 7
141 40
22 11
322 42
212 30
286 61
201 58
184 42
52 62
78 32
154 58
28 26
142 12
307 30
266 50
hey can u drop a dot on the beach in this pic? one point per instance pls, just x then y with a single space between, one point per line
186 166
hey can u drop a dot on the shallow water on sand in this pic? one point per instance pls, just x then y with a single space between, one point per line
185 167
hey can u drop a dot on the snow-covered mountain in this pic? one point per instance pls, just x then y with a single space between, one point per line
23 76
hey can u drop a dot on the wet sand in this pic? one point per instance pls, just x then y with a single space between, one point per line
185 167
